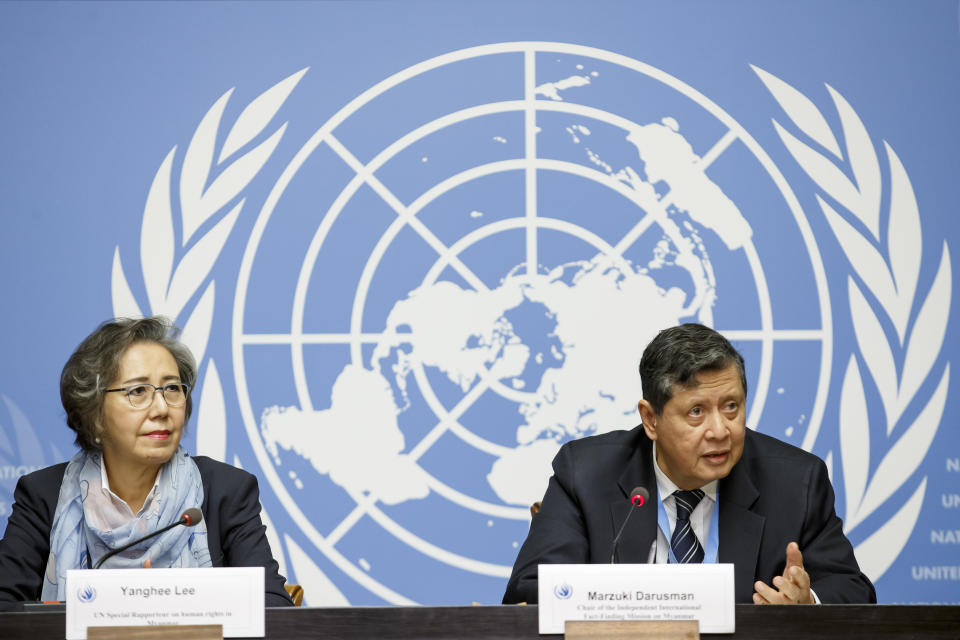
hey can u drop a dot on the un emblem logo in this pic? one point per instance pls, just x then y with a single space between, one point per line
458 271
563 591
472 286
86 593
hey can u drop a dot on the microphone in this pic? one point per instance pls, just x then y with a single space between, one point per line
190 518
638 497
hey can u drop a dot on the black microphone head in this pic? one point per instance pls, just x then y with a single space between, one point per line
639 496
192 516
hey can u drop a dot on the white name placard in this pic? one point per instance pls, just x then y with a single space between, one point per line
702 592
229 596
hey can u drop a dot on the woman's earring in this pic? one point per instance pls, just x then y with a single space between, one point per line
96 440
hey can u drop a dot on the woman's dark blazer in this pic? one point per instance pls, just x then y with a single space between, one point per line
231 508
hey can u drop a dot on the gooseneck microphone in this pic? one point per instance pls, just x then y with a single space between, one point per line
190 518
638 497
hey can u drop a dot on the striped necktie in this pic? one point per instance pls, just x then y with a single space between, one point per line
684 543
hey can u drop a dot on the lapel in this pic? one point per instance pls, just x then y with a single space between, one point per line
641 530
740 529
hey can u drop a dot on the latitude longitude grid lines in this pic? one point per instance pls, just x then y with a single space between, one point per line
406 216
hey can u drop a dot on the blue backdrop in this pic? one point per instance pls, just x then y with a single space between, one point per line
415 246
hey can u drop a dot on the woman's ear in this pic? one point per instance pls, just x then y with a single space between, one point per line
98 433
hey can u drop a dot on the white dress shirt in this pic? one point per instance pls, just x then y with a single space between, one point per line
699 519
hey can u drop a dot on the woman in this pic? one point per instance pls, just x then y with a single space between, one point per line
126 392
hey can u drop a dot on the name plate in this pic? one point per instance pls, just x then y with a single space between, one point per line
702 592
229 596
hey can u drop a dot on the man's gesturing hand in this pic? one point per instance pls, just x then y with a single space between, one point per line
793 587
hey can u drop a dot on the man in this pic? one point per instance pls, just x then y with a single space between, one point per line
719 491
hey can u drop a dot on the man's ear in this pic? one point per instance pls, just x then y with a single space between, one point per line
649 418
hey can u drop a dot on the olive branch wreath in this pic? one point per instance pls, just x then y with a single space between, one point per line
886 263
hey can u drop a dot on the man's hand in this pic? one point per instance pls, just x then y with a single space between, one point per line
793 587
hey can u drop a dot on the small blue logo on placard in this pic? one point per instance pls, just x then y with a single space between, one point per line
563 591
86 594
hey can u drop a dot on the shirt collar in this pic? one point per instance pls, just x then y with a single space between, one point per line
666 486
117 500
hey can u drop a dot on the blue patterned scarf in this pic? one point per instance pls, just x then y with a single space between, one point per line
79 533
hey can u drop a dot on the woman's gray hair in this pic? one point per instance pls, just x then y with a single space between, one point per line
96 362
677 355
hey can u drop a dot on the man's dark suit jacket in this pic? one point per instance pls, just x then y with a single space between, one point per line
775 494
231 508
